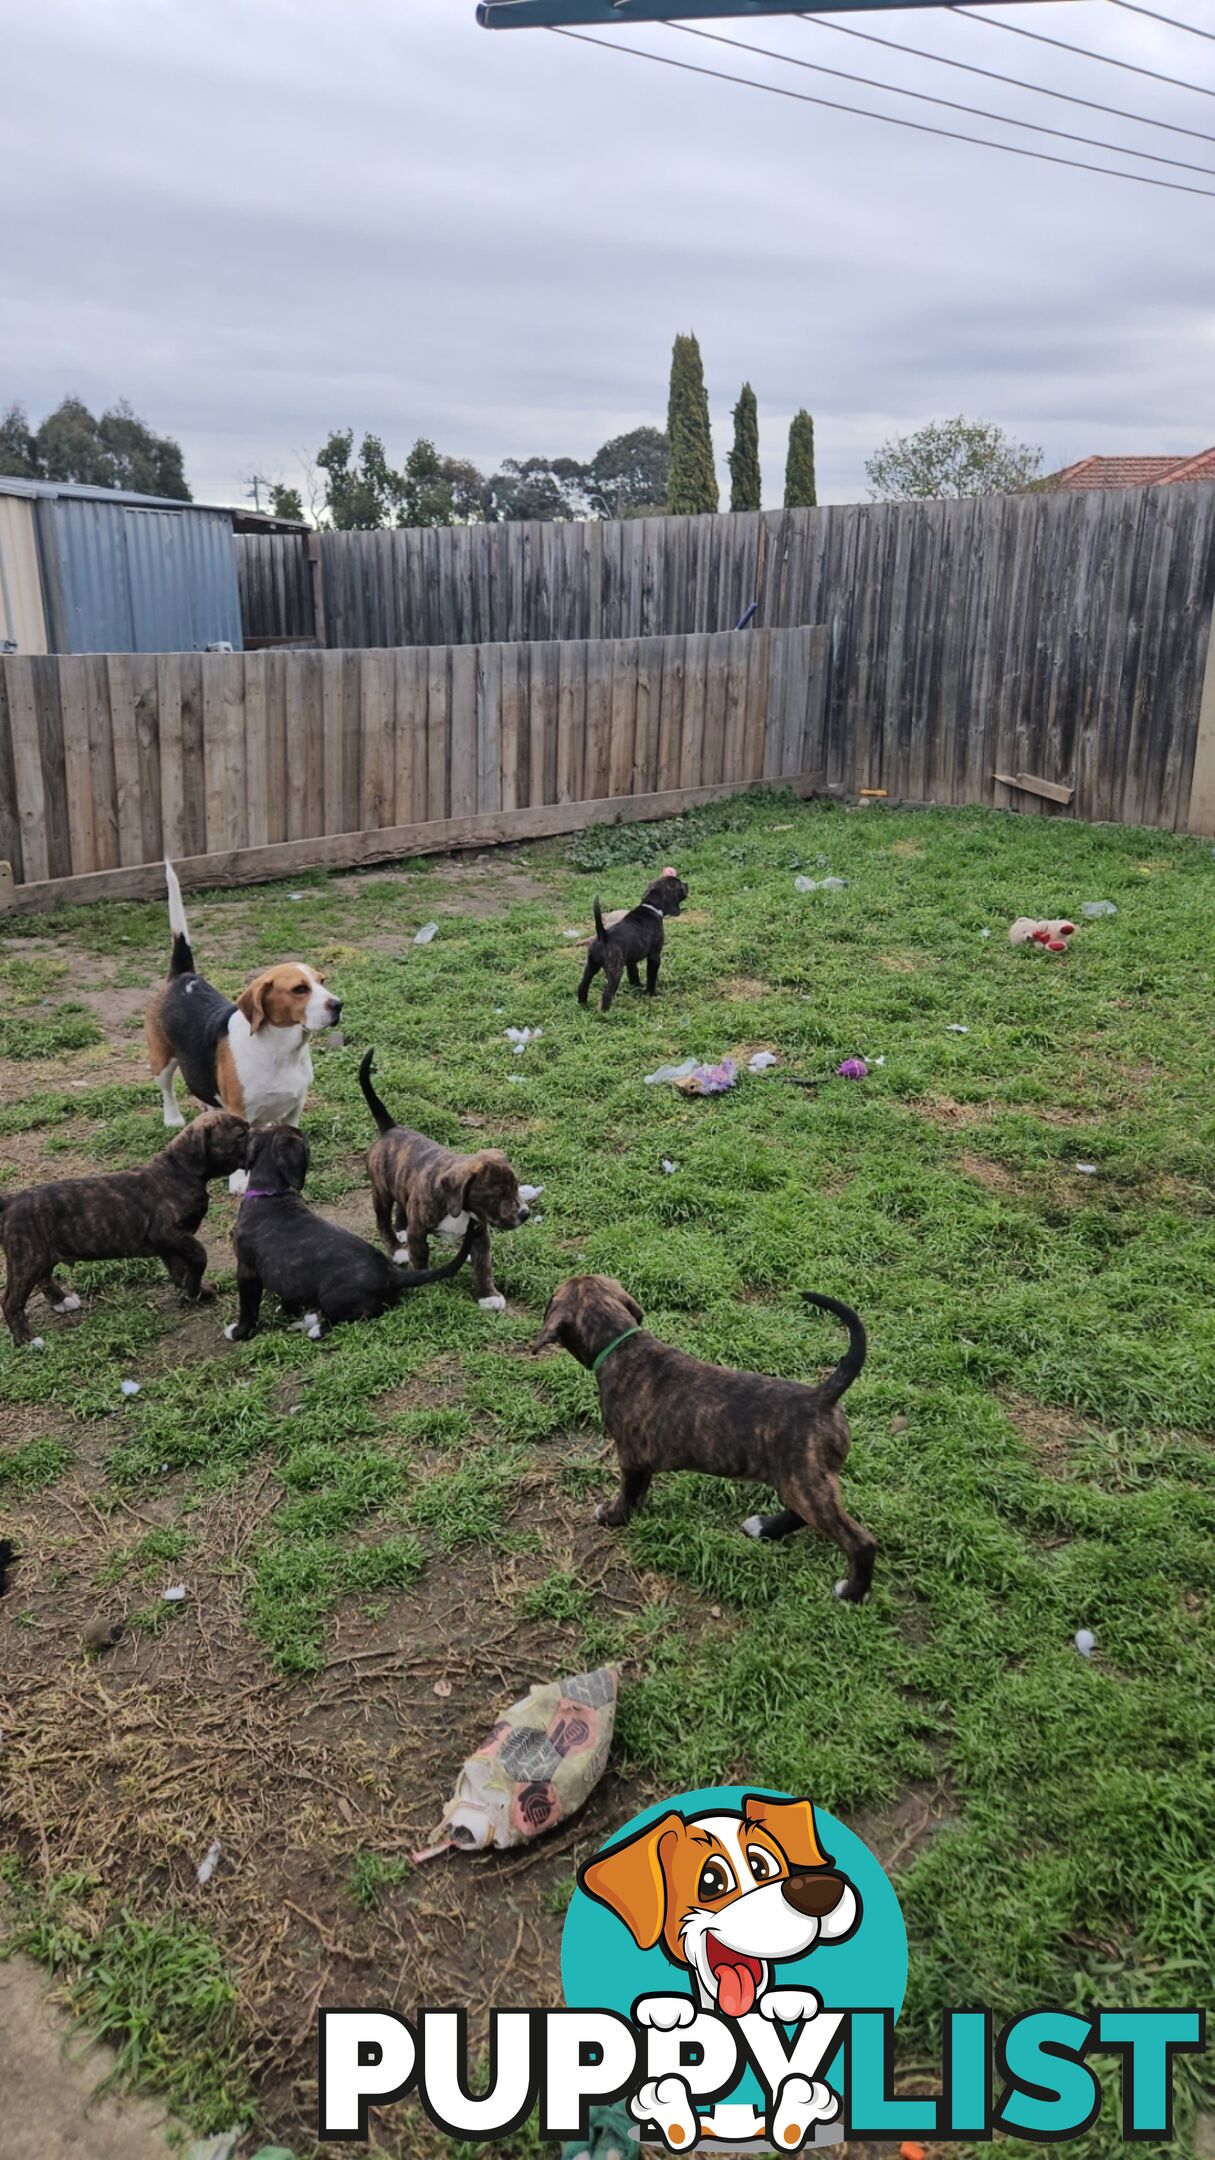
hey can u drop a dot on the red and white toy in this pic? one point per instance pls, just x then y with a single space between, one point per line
1052 936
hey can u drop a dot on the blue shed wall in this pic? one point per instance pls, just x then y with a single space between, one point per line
145 580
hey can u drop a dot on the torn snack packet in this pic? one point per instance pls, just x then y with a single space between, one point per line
540 1764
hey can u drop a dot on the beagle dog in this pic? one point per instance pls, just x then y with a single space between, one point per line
250 1058
727 1897
419 1187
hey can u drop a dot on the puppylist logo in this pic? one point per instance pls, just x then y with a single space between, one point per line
733 1964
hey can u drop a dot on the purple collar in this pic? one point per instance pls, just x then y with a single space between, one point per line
258 1192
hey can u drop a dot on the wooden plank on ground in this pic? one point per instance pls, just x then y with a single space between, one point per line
350 851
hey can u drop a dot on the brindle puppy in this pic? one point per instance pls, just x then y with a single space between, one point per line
419 1187
639 935
133 1215
667 1411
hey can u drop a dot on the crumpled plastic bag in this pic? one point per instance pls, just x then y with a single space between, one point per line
709 1079
539 1765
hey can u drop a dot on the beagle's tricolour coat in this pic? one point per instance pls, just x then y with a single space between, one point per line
727 1897
250 1058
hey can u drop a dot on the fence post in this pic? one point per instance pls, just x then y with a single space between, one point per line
1202 788
313 545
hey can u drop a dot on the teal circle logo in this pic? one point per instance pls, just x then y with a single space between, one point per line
730 1895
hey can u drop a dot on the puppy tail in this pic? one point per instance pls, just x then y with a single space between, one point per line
384 1119
599 929
838 1382
413 1278
181 959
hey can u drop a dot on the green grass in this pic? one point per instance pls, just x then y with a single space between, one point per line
1048 1336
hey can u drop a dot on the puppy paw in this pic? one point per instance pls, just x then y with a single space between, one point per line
239 1181
206 1294
789 2006
401 1256
666 2013
753 1526
492 1304
70 1303
36 1343
668 2102
232 1332
313 1326
799 2105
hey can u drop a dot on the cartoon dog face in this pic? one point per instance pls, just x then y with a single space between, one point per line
728 1896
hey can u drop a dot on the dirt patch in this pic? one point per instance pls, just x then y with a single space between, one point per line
944 1111
906 849
899 964
49 2076
745 990
993 1175
1050 1433
897 1833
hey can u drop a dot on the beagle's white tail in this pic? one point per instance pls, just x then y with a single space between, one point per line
181 960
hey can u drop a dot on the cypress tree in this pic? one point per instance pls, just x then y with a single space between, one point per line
693 481
744 457
800 491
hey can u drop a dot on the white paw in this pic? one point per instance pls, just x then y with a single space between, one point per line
789 2006
840 1587
173 1117
668 2102
753 1526
35 1343
314 1332
799 2105
71 1303
492 1304
666 2013
230 1332
239 1181
401 1256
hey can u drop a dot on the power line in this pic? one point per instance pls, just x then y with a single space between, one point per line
1085 52
1068 97
1133 8
927 97
865 112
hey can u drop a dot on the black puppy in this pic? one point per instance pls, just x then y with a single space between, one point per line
639 935
313 1267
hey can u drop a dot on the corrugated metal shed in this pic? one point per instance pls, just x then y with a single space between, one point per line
131 573
22 616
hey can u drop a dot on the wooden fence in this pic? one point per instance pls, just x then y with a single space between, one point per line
1059 636
278 575
248 765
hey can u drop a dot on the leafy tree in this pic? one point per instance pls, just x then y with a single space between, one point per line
117 451
437 490
628 476
359 496
18 449
801 492
693 478
952 458
286 502
534 487
743 460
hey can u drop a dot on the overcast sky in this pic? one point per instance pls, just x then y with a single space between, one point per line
261 219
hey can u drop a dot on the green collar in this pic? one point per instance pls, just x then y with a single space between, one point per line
614 1346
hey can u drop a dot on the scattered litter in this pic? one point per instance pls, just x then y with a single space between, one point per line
985 932
955 1028
209 1863
573 933
1086 1641
827 884
442 1688
667 1073
899 1424
36 1342
1087 1169
875 1062
852 1069
709 1079
911 2151
789 828
539 1765
1053 933
528 1193
521 1037
295 896
715 1612
428 931
132 1387
761 1062
103 1634
670 871
216 2148
1092 909
668 1167
175 1596
499 1008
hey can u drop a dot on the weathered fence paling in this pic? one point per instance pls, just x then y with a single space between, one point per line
1057 634
108 763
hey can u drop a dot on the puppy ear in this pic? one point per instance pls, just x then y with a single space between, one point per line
552 1332
252 1001
631 1879
791 1823
455 1182
633 1306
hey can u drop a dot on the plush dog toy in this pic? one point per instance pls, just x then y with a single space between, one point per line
1052 935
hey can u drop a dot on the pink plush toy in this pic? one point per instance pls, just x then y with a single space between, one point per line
1052 935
